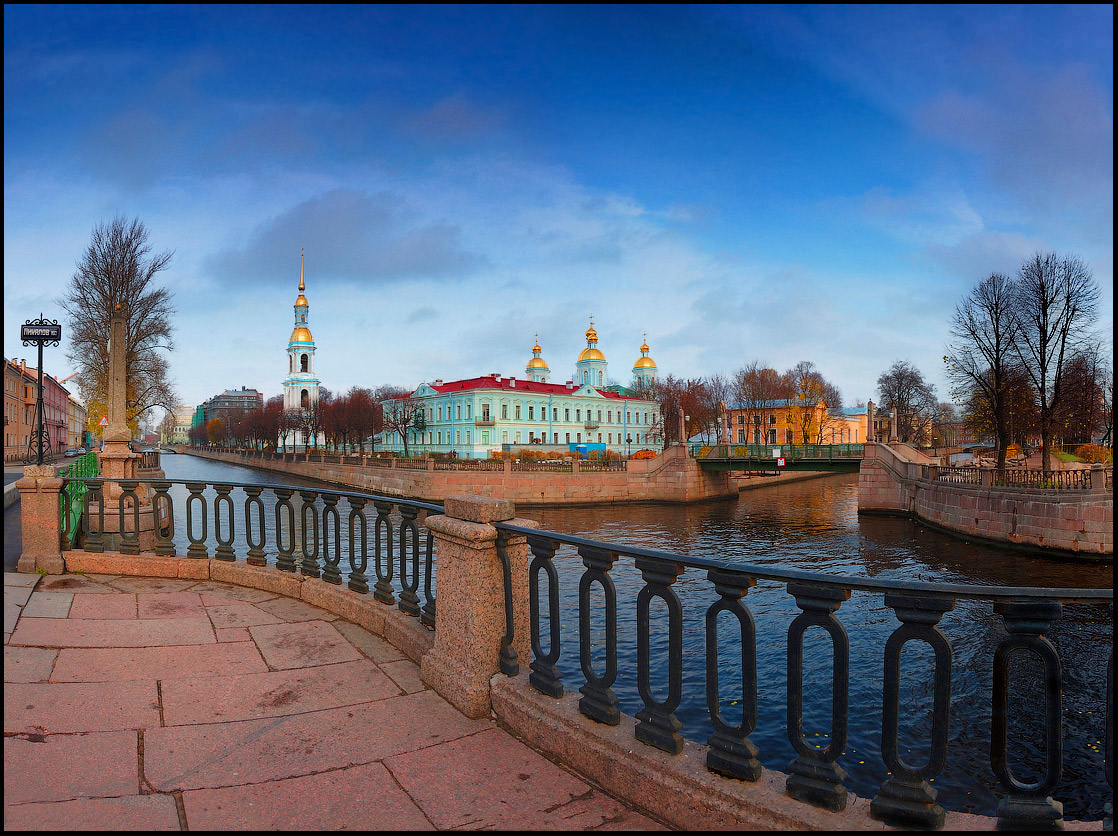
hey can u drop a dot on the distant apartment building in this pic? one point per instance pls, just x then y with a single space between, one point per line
77 433
21 388
232 401
181 422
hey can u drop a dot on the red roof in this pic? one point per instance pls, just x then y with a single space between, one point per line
490 382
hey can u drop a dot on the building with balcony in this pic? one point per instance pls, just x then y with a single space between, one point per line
479 415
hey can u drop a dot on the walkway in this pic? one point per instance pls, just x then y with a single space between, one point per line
166 704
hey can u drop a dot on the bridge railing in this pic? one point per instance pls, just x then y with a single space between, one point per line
908 796
774 451
72 498
318 533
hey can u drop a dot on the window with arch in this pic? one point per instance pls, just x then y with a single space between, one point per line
304 399
304 363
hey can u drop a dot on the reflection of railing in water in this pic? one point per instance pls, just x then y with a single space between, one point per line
306 538
908 796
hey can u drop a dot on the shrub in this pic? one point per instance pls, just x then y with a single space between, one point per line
1094 453
644 454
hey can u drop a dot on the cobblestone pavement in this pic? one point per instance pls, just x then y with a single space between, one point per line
164 704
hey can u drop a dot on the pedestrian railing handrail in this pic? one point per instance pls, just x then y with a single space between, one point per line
85 466
790 452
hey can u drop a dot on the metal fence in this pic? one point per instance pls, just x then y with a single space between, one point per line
773 451
1050 480
907 797
311 531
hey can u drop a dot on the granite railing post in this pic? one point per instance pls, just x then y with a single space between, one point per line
986 477
40 520
1098 478
470 620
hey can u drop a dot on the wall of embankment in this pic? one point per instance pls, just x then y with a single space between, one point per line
673 477
1077 522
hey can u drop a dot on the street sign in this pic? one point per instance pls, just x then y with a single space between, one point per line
40 331
104 421
776 452
780 462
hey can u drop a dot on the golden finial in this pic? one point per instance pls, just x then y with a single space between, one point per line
302 286
591 334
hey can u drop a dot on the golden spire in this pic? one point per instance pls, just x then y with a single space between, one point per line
302 286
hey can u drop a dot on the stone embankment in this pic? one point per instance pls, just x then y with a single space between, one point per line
673 477
1062 513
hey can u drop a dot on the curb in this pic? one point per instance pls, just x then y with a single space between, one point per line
11 495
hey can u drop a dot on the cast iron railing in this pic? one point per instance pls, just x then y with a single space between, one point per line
953 475
1052 480
312 531
72 500
791 452
907 798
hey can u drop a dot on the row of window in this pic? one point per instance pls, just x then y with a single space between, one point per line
844 436
630 417
757 420
436 438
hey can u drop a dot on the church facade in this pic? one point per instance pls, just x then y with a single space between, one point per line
476 416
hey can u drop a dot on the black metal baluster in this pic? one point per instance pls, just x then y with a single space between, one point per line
816 778
907 799
507 659
164 531
731 751
545 676
255 554
382 589
94 540
657 724
1028 806
224 550
129 541
197 547
427 616
309 516
358 582
409 601
598 700
331 562
285 554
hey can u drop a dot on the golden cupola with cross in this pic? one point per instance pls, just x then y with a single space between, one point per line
300 387
537 369
590 370
644 370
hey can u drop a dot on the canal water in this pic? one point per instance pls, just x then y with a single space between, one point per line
814 525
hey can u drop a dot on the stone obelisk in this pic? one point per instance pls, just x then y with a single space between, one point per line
116 457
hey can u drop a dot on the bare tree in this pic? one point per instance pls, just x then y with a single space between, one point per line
902 388
402 414
114 273
1081 413
758 389
979 359
1055 305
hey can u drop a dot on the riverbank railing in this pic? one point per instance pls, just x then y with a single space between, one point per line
72 501
907 798
1032 480
306 537
790 452
385 534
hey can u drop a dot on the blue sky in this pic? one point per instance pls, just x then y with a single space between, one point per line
773 183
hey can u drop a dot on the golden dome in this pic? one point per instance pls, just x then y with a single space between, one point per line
591 335
301 334
302 300
591 354
644 362
537 363
644 346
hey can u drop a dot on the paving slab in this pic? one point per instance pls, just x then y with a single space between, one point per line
156 663
302 645
223 754
404 673
358 798
232 634
21 578
76 583
28 664
120 605
248 696
170 605
96 765
370 644
491 781
79 706
137 584
11 616
17 595
78 632
213 592
288 609
238 615
49 605
130 812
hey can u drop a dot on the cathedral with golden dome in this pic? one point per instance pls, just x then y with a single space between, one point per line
474 417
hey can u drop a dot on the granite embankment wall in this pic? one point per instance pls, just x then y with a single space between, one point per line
673 477
895 479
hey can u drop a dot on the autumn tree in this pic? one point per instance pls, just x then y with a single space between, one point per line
1081 413
808 389
903 390
117 272
402 414
757 389
215 430
1055 305
981 355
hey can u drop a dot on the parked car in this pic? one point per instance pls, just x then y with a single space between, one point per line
72 452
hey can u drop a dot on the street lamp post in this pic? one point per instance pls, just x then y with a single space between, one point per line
39 332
